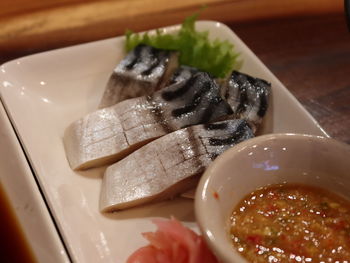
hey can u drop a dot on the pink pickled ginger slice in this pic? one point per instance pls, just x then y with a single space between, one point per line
173 243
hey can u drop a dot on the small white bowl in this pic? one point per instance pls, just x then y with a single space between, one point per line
264 160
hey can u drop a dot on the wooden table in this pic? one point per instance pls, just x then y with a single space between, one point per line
309 54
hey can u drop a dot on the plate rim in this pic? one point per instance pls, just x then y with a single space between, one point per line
29 199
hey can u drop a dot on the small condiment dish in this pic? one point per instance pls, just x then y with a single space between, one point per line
264 160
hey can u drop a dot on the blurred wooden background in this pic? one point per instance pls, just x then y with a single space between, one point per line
304 42
46 24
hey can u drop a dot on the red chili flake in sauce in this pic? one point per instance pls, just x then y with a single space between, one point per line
292 223
254 239
216 195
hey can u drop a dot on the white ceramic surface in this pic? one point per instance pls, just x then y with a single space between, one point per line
267 159
20 187
44 93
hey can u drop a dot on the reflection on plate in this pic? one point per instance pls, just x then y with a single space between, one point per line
44 93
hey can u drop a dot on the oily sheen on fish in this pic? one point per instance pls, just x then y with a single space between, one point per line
169 165
144 70
109 134
248 97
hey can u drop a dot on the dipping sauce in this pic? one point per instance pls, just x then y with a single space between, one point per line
292 223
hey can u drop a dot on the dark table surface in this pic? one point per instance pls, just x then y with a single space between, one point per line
310 55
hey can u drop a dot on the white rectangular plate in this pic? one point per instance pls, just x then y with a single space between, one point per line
44 93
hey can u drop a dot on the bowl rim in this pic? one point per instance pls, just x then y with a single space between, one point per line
201 191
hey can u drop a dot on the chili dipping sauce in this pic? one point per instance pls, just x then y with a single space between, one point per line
292 223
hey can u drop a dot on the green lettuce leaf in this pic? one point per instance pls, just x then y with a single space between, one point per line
196 50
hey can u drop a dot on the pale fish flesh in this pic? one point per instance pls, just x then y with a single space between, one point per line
144 70
248 97
107 135
169 165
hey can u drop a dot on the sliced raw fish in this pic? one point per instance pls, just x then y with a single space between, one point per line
144 70
169 165
109 134
248 97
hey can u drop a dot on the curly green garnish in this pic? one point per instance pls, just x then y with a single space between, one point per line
196 50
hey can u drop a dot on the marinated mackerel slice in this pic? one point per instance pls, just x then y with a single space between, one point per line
144 70
248 97
169 165
107 135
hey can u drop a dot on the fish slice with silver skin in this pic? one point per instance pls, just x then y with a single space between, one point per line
144 70
169 165
107 135
248 97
